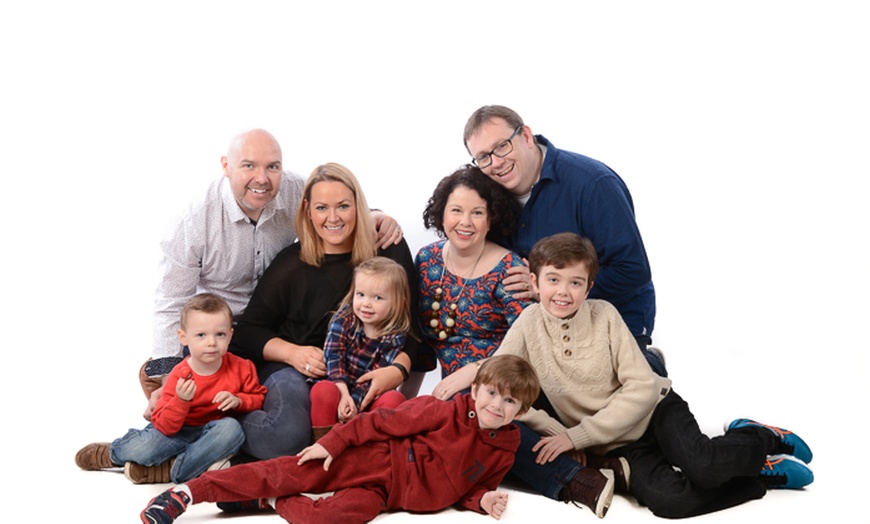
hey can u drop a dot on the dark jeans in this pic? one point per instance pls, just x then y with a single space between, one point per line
547 479
657 364
713 473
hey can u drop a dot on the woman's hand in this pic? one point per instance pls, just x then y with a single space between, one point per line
456 381
387 230
518 283
307 360
552 447
382 380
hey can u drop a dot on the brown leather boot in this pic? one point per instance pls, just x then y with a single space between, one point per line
619 466
318 431
95 456
139 474
592 488
148 384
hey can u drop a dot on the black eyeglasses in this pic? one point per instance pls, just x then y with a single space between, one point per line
502 150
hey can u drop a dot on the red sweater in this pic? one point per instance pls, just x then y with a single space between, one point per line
236 375
440 455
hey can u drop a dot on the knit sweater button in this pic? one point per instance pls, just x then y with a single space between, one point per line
568 353
564 326
566 338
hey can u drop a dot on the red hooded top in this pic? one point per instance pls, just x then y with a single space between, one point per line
440 455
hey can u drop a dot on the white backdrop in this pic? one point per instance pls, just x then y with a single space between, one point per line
741 130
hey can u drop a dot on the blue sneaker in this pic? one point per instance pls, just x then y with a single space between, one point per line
790 443
785 472
165 507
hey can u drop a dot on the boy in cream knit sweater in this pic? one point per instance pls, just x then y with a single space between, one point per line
605 400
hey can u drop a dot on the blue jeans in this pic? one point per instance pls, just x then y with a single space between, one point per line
655 362
547 479
283 426
195 448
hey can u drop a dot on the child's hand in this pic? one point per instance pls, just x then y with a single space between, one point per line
494 503
315 452
346 409
227 401
185 388
552 447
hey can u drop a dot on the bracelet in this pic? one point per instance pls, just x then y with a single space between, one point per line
401 368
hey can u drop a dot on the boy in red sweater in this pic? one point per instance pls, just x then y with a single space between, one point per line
424 455
190 429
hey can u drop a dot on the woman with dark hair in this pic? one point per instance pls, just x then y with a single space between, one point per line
464 308
284 327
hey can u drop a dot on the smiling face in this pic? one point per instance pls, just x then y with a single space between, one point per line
466 220
518 170
562 290
207 336
372 302
253 167
332 211
494 408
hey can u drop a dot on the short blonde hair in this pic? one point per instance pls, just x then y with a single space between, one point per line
364 247
399 319
204 303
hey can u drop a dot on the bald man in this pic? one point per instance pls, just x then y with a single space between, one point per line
225 241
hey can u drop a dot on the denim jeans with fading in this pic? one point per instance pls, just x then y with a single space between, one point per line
195 448
283 426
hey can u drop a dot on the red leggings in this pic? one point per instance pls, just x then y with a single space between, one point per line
325 397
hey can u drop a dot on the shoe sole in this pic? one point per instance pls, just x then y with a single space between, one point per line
606 497
626 473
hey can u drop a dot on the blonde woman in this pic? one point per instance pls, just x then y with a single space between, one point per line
285 324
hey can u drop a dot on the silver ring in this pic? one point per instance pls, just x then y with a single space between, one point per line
307 367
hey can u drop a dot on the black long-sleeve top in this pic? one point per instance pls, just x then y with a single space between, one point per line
295 302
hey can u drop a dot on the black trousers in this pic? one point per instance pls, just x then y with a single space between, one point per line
678 471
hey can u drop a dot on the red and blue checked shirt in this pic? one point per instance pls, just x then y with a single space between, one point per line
349 353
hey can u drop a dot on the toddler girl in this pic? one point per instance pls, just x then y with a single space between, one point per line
366 333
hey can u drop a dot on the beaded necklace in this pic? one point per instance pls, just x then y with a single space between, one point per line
435 315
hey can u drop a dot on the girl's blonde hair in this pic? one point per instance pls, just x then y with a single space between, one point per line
364 247
399 319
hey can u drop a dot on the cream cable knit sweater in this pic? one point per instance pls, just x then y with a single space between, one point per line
592 372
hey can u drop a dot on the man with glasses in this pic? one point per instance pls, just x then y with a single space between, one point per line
563 191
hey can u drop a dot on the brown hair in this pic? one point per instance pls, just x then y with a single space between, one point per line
487 113
563 250
399 319
510 374
205 303
312 252
502 209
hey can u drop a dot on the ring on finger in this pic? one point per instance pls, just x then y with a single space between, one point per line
307 367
